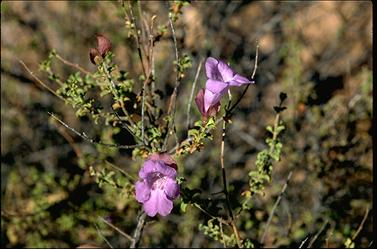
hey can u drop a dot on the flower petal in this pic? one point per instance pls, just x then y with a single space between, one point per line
171 188
199 100
165 169
212 70
216 86
165 157
165 205
213 93
210 99
151 206
213 110
226 72
142 191
148 167
158 203
239 80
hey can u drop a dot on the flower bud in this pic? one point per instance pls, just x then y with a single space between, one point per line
103 45
212 110
94 55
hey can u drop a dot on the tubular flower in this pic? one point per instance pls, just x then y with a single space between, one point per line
157 187
220 78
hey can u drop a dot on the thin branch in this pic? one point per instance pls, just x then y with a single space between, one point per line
137 38
116 229
192 93
255 62
303 242
121 171
230 213
113 88
84 136
77 66
143 110
248 85
317 234
70 140
102 236
361 224
274 207
172 104
126 127
138 230
39 80
209 214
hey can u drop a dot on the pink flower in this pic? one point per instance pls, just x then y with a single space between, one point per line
220 78
157 187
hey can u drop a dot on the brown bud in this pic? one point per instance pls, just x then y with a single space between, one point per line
103 45
93 53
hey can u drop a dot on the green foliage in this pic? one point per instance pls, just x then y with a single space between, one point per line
262 175
175 9
196 136
213 230
57 185
184 63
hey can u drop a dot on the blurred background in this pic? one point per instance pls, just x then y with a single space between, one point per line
318 52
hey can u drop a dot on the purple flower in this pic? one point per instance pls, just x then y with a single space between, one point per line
157 187
220 78
212 110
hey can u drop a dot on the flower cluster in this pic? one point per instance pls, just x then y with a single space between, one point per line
157 187
220 78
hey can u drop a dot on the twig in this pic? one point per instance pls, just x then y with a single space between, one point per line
77 66
102 236
84 136
138 230
126 127
192 93
255 62
303 242
209 214
40 81
230 213
113 88
248 85
172 104
116 229
361 224
317 234
137 38
274 207
122 171
70 140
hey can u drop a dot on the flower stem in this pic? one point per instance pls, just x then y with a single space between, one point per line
230 213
